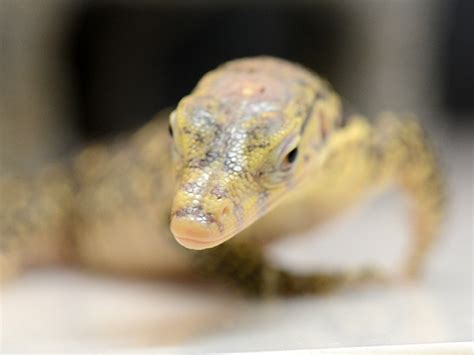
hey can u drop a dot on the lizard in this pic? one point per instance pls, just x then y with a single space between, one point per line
260 149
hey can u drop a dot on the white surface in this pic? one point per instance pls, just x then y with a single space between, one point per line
65 310
431 349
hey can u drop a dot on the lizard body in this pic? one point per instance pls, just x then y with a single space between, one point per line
261 147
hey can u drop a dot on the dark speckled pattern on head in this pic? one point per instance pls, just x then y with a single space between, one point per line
232 134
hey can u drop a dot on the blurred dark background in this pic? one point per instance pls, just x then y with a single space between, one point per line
78 71
130 60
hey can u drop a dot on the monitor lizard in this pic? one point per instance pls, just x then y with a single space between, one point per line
260 149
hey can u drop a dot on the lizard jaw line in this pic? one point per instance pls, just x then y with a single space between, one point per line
198 236
196 244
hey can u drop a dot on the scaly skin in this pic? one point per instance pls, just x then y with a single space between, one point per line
260 148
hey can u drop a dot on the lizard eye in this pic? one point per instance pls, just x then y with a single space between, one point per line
171 123
174 134
289 159
278 168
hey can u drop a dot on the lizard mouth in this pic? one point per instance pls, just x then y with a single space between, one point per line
196 244
197 236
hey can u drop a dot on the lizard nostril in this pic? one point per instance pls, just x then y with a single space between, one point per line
225 211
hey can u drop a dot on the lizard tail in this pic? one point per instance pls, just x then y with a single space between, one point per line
416 168
33 219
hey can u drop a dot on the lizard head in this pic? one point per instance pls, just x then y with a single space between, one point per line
241 141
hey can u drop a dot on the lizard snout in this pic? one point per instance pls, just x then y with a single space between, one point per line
195 228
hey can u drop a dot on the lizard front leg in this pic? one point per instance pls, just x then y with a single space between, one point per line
393 151
243 263
408 157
